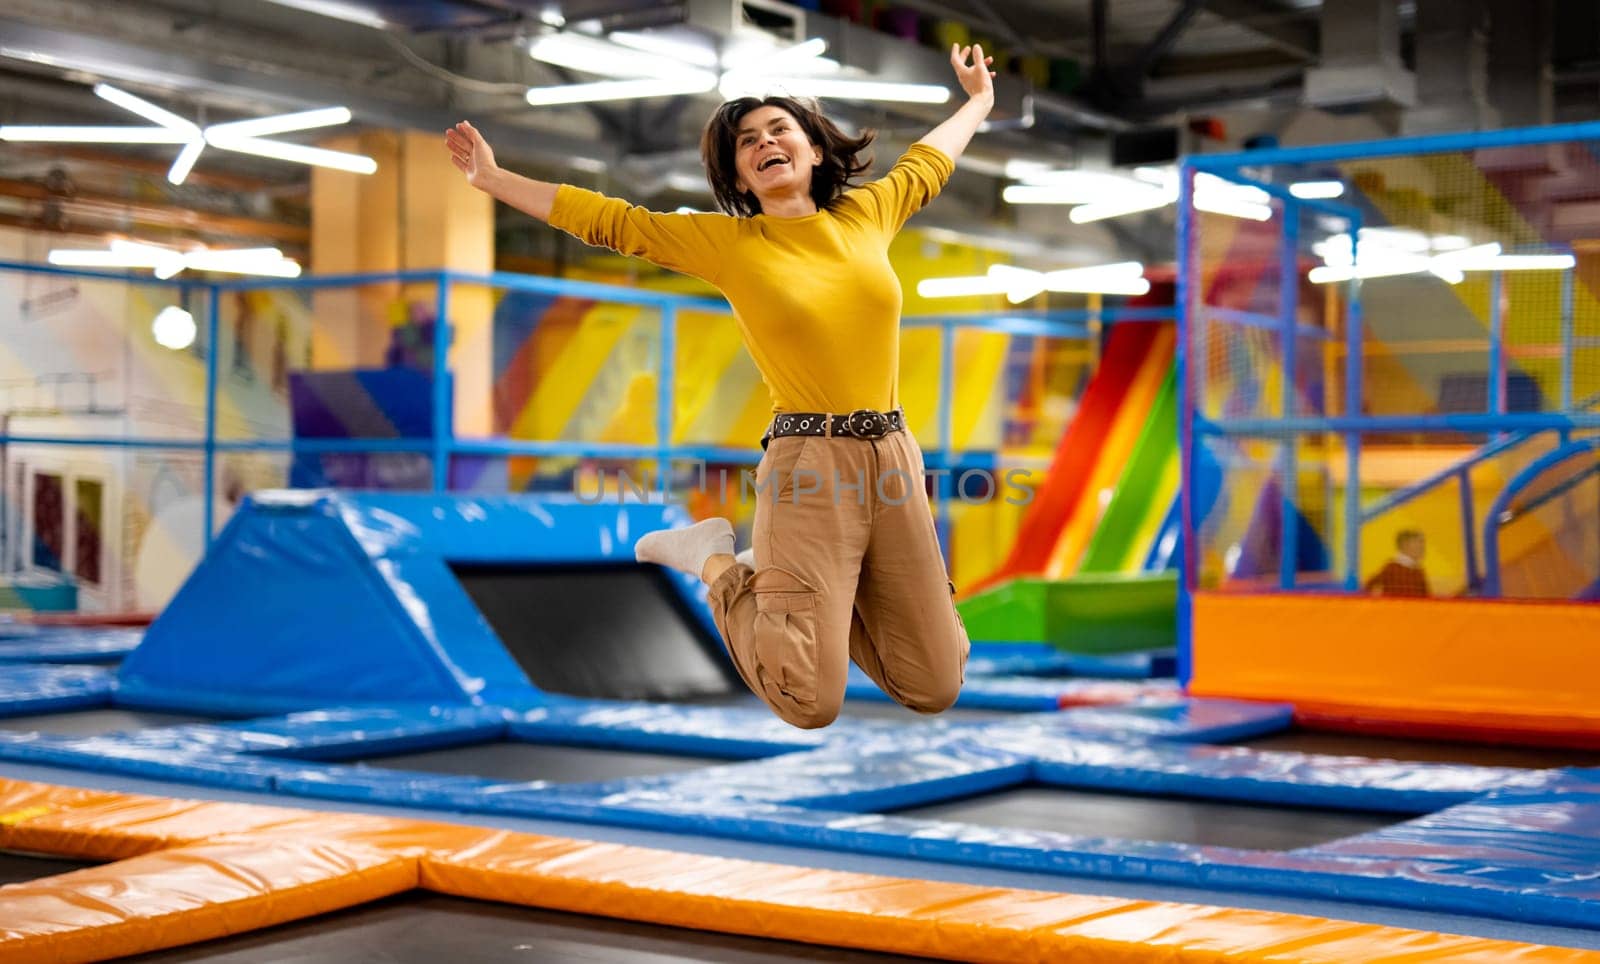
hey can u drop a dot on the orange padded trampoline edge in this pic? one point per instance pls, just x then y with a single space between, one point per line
267 865
1520 667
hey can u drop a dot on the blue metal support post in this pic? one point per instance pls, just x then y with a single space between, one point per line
209 512
1189 442
1353 393
443 427
1568 345
1288 463
1497 344
665 379
947 442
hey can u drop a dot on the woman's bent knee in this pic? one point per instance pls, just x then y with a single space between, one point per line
807 716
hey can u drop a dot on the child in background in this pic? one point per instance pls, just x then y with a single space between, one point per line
1402 575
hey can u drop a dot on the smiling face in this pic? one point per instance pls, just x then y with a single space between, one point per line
773 157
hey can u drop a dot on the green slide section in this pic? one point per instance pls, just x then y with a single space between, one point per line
1139 490
1089 613
1109 606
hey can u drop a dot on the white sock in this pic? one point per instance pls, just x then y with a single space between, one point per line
746 558
686 549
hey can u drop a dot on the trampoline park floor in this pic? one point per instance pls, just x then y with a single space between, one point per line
716 903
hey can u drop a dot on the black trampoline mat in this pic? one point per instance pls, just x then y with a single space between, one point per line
423 928
17 867
515 761
1172 819
96 722
1422 751
604 632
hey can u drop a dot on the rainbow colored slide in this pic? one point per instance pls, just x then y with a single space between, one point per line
1077 577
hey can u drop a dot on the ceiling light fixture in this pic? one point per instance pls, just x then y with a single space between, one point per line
168 262
1099 195
1391 252
634 89
1317 190
174 328
242 137
650 66
1021 284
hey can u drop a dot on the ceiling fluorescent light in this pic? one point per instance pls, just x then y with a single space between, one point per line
1526 262
683 50
91 135
282 123
244 137
168 262
1317 190
1100 211
595 55
1021 284
85 258
193 140
738 84
334 9
298 153
697 83
1217 203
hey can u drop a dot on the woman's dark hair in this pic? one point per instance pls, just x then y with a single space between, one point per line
840 160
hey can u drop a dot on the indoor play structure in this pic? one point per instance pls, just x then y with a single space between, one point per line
1451 396
461 651
1091 570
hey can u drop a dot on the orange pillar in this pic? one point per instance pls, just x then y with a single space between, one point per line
415 213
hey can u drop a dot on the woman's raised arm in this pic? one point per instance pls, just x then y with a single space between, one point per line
472 156
977 80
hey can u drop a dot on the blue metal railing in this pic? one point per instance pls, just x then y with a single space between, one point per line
1510 429
1496 516
442 445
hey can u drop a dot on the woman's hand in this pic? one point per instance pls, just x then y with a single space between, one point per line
471 155
977 79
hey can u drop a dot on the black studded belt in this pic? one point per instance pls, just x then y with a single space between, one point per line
863 423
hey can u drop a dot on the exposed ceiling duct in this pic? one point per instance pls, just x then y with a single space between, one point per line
1360 64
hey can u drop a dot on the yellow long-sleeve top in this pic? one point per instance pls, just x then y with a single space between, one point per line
815 297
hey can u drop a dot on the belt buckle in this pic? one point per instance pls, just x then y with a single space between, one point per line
866 423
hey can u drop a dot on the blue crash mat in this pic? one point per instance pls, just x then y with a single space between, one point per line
1038 659
49 644
1516 844
1024 694
39 689
736 733
336 733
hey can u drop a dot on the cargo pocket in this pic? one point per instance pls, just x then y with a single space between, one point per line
961 626
786 633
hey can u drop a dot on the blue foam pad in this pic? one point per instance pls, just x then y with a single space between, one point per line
109 754
1237 773
352 599
1024 659
71 646
27 689
1516 844
857 777
735 733
336 733
1187 720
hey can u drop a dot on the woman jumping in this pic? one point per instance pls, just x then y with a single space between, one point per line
846 565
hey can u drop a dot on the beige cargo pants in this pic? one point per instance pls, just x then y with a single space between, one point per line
848 568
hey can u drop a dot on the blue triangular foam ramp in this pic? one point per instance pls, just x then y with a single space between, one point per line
317 598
